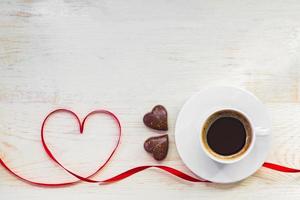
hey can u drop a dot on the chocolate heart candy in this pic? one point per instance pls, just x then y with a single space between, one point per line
158 146
157 119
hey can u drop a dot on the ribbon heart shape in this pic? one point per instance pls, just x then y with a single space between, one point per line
51 155
81 129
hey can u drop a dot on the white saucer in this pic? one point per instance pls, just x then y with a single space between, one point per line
188 128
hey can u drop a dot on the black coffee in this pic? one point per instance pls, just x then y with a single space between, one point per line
227 133
226 136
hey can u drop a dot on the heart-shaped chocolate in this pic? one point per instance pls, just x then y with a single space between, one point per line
158 146
157 119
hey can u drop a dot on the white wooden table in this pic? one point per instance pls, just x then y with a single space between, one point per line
128 56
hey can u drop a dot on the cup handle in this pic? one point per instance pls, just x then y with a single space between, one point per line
259 131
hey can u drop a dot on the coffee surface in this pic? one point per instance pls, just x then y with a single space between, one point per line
226 136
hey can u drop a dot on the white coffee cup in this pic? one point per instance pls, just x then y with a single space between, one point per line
251 134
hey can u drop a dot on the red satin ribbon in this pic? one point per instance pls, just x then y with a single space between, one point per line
118 177
280 168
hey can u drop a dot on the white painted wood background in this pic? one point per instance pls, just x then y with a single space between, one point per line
127 56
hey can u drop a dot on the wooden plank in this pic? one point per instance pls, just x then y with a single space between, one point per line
128 56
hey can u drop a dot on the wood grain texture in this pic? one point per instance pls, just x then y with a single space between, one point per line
127 56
